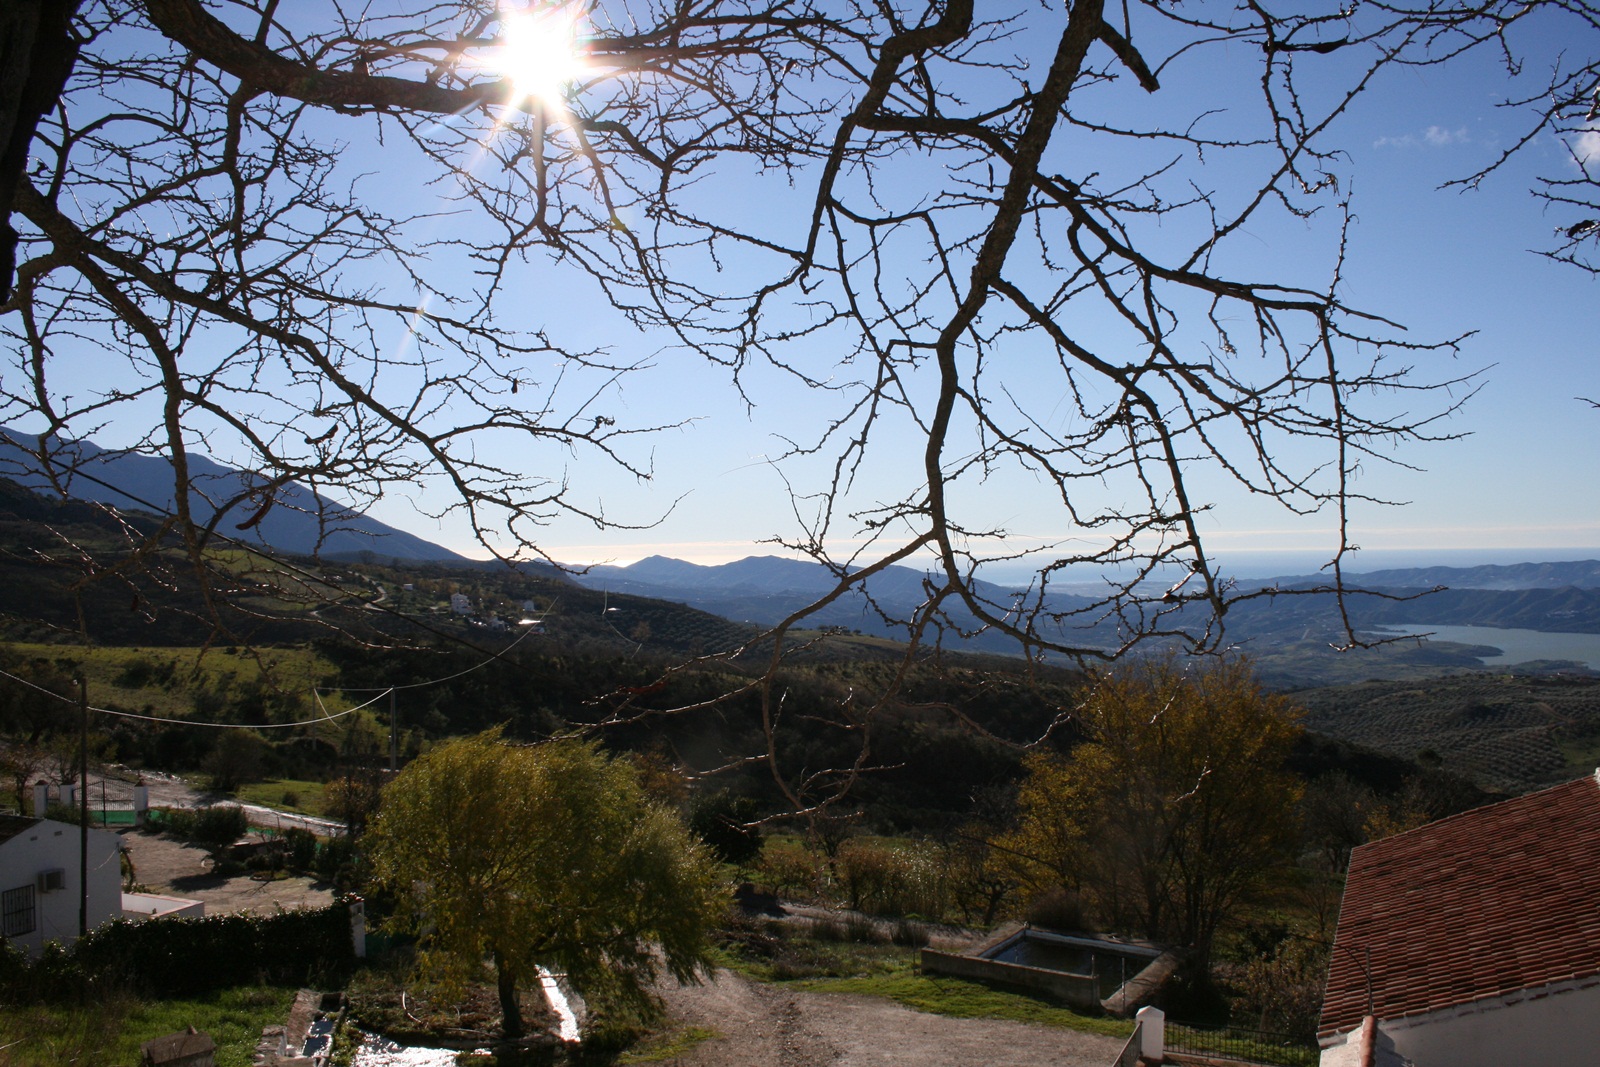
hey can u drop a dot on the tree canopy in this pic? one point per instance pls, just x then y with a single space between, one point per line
1175 805
544 855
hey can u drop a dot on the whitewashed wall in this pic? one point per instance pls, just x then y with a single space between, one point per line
1555 1024
50 845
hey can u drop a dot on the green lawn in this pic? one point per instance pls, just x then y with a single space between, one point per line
941 995
286 794
109 1031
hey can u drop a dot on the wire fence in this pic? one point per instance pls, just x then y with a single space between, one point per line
1244 1046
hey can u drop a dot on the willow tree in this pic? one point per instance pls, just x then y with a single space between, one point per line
1176 804
550 856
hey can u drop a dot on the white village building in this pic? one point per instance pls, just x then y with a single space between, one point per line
1473 941
39 881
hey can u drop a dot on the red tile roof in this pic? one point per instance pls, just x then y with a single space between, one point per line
1481 904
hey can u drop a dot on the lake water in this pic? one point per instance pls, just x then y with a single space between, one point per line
1517 646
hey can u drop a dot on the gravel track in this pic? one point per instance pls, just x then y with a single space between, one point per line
759 1024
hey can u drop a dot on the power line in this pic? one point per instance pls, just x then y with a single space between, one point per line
267 552
300 572
432 681
193 722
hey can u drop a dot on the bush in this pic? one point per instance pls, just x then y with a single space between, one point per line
64 813
719 820
336 862
302 849
185 956
788 868
1057 909
892 881
219 826
179 822
910 934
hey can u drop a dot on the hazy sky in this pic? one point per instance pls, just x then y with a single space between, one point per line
1441 262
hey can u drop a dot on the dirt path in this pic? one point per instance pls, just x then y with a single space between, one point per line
776 1027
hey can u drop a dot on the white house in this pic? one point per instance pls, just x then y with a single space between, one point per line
460 604
39 883
1473 941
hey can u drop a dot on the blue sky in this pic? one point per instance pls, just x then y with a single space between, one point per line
1442 262
1519 479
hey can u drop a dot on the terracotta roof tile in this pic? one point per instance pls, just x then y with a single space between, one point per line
1484 903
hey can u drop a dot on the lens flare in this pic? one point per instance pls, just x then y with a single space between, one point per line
539 53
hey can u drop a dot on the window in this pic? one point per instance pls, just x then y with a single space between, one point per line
16 911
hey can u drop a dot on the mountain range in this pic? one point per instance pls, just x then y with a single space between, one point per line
764 590
300 522
1551 597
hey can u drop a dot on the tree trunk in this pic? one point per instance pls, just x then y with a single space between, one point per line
37 51
510 1006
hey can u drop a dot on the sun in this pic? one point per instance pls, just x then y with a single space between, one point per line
539 52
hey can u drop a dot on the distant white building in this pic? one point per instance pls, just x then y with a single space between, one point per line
460 603
39 881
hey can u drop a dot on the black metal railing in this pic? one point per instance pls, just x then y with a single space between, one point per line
1243 1046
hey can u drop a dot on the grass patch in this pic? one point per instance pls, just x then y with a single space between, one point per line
667 1046
942 995
775 951
165 679
286 794
813 957
108 1032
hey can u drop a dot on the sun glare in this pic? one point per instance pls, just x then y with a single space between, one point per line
539 52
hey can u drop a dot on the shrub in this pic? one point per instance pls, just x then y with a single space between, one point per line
719 820
302 849
788 868
892 881
183 956
1057 909
219 826
335 862
179 822
63 813
910 934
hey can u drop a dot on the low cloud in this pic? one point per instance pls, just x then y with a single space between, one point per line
1432 137
1586 149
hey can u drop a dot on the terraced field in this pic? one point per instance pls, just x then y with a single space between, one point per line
1507 733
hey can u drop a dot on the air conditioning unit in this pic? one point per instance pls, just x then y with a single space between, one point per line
50 881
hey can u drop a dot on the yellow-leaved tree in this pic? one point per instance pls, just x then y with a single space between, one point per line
550 855
1175 804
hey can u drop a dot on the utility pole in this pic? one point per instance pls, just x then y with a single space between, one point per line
394 737
83 803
